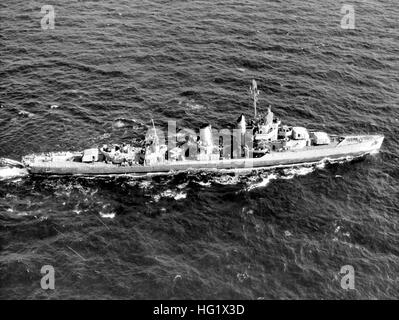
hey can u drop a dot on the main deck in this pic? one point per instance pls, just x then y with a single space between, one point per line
360 146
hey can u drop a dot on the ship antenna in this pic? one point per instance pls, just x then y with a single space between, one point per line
254 94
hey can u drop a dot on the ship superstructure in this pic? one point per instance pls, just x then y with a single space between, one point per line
260 142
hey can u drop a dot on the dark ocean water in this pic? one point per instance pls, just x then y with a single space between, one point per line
112 66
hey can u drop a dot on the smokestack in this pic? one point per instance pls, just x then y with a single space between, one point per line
206 135
241 124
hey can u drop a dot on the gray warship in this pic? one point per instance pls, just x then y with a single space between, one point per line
262 142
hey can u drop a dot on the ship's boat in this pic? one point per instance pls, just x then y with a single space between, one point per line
262 142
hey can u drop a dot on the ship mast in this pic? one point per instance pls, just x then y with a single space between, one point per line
155 132
156 139
254 94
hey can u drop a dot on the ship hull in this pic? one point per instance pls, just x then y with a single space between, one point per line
370 144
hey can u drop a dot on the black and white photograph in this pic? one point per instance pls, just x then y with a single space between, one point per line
198 150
